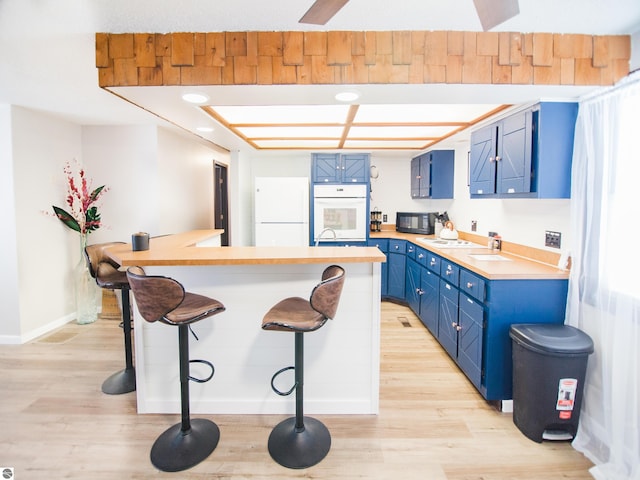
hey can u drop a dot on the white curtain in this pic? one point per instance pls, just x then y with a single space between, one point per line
604 285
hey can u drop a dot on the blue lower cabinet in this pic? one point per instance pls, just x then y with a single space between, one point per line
508 302
429 300
396 273
448 318
397 268
470 338
413 292
383 246
468 314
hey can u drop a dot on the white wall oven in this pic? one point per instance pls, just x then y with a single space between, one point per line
340 213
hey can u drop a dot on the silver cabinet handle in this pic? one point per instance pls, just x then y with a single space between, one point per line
469 285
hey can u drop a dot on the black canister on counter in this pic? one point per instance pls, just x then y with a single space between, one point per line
140 241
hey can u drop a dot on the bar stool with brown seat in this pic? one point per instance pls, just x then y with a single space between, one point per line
162 298
107 276
301 442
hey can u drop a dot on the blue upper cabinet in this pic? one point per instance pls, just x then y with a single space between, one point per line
339 168
525 155
432 175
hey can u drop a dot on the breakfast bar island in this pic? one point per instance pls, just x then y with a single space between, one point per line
341 360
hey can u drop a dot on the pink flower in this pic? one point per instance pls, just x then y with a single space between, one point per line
83 216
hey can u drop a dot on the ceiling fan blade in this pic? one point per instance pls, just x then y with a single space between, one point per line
494 12
321 11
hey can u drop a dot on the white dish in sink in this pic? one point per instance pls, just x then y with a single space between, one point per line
443 243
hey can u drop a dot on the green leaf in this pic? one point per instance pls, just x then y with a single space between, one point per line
95 193
92 220
66 218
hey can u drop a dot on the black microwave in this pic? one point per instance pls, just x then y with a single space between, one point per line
411 222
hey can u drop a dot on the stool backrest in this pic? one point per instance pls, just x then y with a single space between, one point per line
155 295
326 295
96 255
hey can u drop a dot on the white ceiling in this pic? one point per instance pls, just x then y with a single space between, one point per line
47 51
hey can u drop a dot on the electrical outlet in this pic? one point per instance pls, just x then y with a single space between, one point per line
552 239
474 225
384 217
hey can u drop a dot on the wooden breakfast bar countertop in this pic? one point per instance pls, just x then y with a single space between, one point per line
192 248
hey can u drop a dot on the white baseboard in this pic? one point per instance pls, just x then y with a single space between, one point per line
38 332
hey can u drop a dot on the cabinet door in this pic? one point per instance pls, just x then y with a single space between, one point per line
429 300
412 292
395 285
448 318
514 154
415 177
383 245
424 186
326 167
471 317
482 165
355 168
442 167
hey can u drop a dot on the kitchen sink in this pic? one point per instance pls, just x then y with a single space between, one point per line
489 257
442 243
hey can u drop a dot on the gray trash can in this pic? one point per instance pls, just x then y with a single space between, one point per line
549 367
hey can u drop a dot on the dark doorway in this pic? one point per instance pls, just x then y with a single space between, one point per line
221 203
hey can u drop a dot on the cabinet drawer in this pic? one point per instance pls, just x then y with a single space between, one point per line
449 291
397 246
450 272
410 250
421 256
381 243
433 262
472 285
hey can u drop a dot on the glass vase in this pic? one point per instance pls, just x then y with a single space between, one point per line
86 290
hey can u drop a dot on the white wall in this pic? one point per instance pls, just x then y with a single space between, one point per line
522 221
9 295
158 181
46 249
186 183
125 159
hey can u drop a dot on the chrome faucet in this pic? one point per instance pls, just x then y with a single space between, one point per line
333 232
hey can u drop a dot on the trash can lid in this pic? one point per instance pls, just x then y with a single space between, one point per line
551 338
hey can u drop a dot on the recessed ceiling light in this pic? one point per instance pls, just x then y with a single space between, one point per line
195 97
347 96
204 129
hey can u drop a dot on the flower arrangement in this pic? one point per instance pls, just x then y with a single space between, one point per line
83 215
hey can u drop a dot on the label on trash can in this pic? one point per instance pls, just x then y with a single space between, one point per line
566 396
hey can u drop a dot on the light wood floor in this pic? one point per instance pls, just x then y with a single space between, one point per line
55 422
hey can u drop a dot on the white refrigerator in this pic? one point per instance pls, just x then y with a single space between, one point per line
281 208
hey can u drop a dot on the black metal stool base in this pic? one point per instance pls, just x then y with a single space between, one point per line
299 449
176 450
120 382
